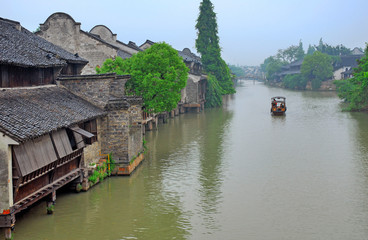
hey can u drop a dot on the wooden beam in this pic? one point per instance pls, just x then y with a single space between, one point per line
55 164
43 192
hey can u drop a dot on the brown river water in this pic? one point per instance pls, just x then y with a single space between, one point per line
231 173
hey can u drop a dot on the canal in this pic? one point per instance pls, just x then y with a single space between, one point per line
231 173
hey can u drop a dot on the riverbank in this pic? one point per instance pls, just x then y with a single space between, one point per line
325 85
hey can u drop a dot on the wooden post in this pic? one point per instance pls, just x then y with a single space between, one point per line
148 126
8 233
50 204
156 123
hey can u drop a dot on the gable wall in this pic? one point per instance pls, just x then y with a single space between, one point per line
109 37
63 31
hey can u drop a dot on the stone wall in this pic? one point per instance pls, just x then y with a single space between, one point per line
192 89
62 30
135 130
97 89
120 131
123 132
95 52
325 86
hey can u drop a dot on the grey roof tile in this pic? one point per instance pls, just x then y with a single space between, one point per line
27 113
23 48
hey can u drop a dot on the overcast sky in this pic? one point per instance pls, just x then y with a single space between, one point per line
249 31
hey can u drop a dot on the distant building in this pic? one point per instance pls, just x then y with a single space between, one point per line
194 94
357 51
146 44
289 69
345 68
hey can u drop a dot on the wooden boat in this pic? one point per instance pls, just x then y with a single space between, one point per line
278 105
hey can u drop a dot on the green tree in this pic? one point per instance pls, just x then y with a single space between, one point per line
294 81
300 51
207 44
291 53
355 90
331 50
237 71
273 67
157 75
317 68
310 50
265 63
214 92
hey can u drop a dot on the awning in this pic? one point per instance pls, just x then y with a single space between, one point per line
82 132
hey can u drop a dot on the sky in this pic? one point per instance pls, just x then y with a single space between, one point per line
249 31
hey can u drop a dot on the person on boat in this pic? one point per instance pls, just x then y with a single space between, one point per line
274 103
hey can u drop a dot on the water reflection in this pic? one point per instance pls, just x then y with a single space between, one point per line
211 167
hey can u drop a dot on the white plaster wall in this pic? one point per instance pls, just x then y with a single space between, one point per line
6 183
337 73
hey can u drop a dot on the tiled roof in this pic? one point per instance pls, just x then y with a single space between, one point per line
134 46
27 113
350 60
124 54
20 47
149 42
188 56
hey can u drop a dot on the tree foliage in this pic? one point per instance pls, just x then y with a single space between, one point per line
311 50
317 68
207 44
291 53
272 67
214 92
295 81
332 50
355 90
157 75
237 71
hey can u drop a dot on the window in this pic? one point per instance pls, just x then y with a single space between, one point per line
90 126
